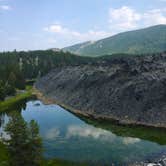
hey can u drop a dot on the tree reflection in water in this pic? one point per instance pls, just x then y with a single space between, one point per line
24 143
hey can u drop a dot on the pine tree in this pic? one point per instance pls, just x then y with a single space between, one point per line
24 144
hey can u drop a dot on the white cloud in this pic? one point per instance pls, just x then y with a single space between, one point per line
98 134
68 33
55 28
5 7
52 133
155 16
90 131
126 18
130 140
120 19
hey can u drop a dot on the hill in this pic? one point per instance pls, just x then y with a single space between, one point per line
130 90
147 40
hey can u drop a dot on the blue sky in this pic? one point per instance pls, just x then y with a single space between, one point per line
43 24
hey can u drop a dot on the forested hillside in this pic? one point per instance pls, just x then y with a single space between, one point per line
142 41
17 67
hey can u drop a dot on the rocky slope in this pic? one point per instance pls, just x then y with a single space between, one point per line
130 90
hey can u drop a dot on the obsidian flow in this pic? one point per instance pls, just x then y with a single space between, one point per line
131 90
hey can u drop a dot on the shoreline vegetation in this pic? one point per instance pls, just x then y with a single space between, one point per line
121 130
13 101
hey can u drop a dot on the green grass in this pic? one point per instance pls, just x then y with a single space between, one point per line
15 100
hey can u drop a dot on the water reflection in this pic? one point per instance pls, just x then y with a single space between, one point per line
22 141
71 138
157 135
52 133
91 132
3 119
97 134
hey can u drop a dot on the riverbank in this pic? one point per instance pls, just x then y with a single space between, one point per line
9 104
155 135
128 90
61 162
13 101
50 100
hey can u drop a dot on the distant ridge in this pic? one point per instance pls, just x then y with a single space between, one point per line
142 41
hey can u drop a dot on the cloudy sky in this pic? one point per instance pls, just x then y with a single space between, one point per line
42 24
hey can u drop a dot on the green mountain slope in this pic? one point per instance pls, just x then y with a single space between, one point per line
148 40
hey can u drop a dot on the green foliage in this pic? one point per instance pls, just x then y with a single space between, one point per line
35 143
143 41
6 89
14 101
4 156
2 91
16 67
24 144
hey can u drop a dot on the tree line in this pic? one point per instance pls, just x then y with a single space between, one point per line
17 67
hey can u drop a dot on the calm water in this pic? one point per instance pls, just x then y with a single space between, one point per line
67 137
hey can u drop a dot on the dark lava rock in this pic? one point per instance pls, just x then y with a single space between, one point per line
131 90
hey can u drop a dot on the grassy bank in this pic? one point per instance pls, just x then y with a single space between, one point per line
15 100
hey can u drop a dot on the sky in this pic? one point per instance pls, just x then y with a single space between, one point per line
44 24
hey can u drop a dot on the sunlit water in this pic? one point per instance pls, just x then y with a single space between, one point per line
65 136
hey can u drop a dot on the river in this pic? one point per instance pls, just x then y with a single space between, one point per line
68 137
